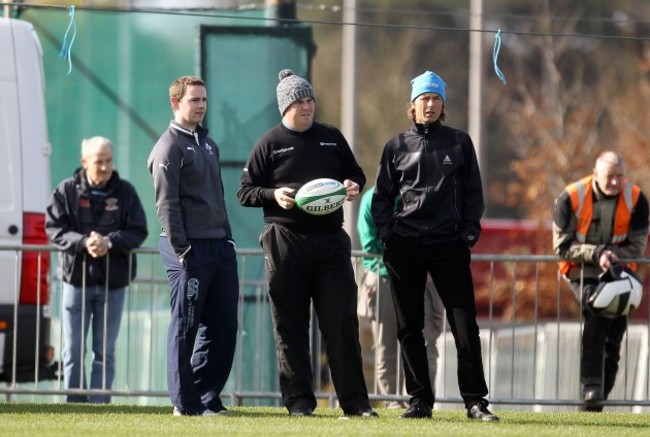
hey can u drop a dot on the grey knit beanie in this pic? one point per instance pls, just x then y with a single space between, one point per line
292 88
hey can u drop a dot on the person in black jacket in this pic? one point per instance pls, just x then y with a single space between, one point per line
96 220
308 257
427 206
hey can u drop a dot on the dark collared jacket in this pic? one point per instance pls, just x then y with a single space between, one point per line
429 187
190 199
74 212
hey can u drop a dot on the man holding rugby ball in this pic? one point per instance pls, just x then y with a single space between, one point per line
307 256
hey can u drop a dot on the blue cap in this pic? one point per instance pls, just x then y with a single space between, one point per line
428 82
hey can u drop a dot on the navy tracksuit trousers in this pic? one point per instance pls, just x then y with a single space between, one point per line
203 327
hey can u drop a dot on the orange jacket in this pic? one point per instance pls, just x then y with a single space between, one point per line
582 204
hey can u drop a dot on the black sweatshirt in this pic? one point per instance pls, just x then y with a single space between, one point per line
286 158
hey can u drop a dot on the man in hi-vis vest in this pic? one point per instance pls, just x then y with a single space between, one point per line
598 220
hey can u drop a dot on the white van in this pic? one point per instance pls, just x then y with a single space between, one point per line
24 193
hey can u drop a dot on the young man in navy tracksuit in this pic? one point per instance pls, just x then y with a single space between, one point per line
198 252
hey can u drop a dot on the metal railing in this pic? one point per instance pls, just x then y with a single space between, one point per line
530 331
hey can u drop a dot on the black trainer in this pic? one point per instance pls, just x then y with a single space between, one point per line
479 410
301 412
364 412
417 410
593 394
217 411
593 397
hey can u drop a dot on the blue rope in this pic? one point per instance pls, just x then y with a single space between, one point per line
66 49
495 56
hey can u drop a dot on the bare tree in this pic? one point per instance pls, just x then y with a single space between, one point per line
567 100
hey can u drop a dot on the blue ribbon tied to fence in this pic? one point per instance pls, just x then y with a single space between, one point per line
66 48
495 57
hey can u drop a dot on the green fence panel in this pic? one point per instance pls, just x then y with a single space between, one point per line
122 65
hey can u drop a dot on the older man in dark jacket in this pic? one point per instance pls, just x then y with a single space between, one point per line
96 220
598 220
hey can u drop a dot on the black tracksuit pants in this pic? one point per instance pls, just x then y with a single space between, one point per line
408 262
601 343
306 267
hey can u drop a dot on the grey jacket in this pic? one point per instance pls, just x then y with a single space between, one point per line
188 187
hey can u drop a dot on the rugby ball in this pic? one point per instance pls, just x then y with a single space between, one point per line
321 196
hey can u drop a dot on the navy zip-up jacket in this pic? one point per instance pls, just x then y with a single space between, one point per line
429 186
74 212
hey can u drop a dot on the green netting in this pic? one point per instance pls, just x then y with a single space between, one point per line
122 66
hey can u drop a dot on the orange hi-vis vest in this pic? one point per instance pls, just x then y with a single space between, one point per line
582 203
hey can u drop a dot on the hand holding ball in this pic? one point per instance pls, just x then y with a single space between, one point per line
321 196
